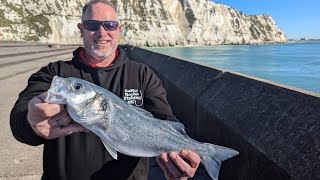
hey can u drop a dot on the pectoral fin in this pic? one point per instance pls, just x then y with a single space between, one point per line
111 151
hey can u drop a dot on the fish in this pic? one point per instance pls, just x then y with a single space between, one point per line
128 129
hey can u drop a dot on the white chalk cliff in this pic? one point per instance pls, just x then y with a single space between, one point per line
145 22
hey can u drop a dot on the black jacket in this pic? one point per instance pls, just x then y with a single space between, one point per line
82 155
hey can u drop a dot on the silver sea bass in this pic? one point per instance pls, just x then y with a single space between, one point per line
127 129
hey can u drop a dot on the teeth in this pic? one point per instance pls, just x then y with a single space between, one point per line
102 42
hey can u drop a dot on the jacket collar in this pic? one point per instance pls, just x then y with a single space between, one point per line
117 62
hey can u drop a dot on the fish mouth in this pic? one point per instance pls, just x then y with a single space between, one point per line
55 98
55 94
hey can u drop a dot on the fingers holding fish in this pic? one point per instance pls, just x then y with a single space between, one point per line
165 169
59 123
182 162
49 128
40 114
182 165
70 129
37 107
50 120
162 166
64 125
167 164
61 120
188 162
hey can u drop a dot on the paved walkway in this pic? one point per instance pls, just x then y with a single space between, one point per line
18 161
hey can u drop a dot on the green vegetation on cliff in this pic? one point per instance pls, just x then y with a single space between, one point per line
3 21
38 25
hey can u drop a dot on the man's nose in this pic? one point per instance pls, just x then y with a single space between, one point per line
102 31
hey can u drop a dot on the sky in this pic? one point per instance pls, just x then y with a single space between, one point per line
296 18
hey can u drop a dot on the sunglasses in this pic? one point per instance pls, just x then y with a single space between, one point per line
93 25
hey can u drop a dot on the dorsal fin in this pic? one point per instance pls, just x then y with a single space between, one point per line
144 112
179 127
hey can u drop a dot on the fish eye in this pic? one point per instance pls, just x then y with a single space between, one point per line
77 86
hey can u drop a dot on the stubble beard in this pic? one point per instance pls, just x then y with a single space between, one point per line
101 55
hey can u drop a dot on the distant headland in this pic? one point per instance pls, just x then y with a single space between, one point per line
303 40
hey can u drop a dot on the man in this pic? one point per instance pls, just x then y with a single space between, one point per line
70 151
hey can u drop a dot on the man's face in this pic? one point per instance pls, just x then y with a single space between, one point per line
100 44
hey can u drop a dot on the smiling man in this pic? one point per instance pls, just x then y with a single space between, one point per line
70 151
100 31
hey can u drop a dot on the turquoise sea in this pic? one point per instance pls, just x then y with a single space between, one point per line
293 64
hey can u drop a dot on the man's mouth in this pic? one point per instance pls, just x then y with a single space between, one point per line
102 41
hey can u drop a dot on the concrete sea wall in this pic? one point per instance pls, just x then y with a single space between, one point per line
276 129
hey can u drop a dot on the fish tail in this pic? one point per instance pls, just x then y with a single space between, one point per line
213 155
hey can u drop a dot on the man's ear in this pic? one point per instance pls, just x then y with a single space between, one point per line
80 27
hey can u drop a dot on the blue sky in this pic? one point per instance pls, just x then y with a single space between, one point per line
297 18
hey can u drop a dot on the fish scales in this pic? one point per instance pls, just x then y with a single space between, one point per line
128 129
139 135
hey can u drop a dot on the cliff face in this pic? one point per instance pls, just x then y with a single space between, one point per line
145 22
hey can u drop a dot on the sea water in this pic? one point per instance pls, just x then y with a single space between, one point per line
292 64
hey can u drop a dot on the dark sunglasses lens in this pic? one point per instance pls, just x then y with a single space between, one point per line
110 25
92 25
95 25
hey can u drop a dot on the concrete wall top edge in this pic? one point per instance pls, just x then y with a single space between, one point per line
274 83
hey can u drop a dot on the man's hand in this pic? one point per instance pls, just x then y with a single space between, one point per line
50 121
179 165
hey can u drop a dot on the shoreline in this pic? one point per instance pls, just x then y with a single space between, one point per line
253 44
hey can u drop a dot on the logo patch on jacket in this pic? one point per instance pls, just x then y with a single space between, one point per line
133 96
